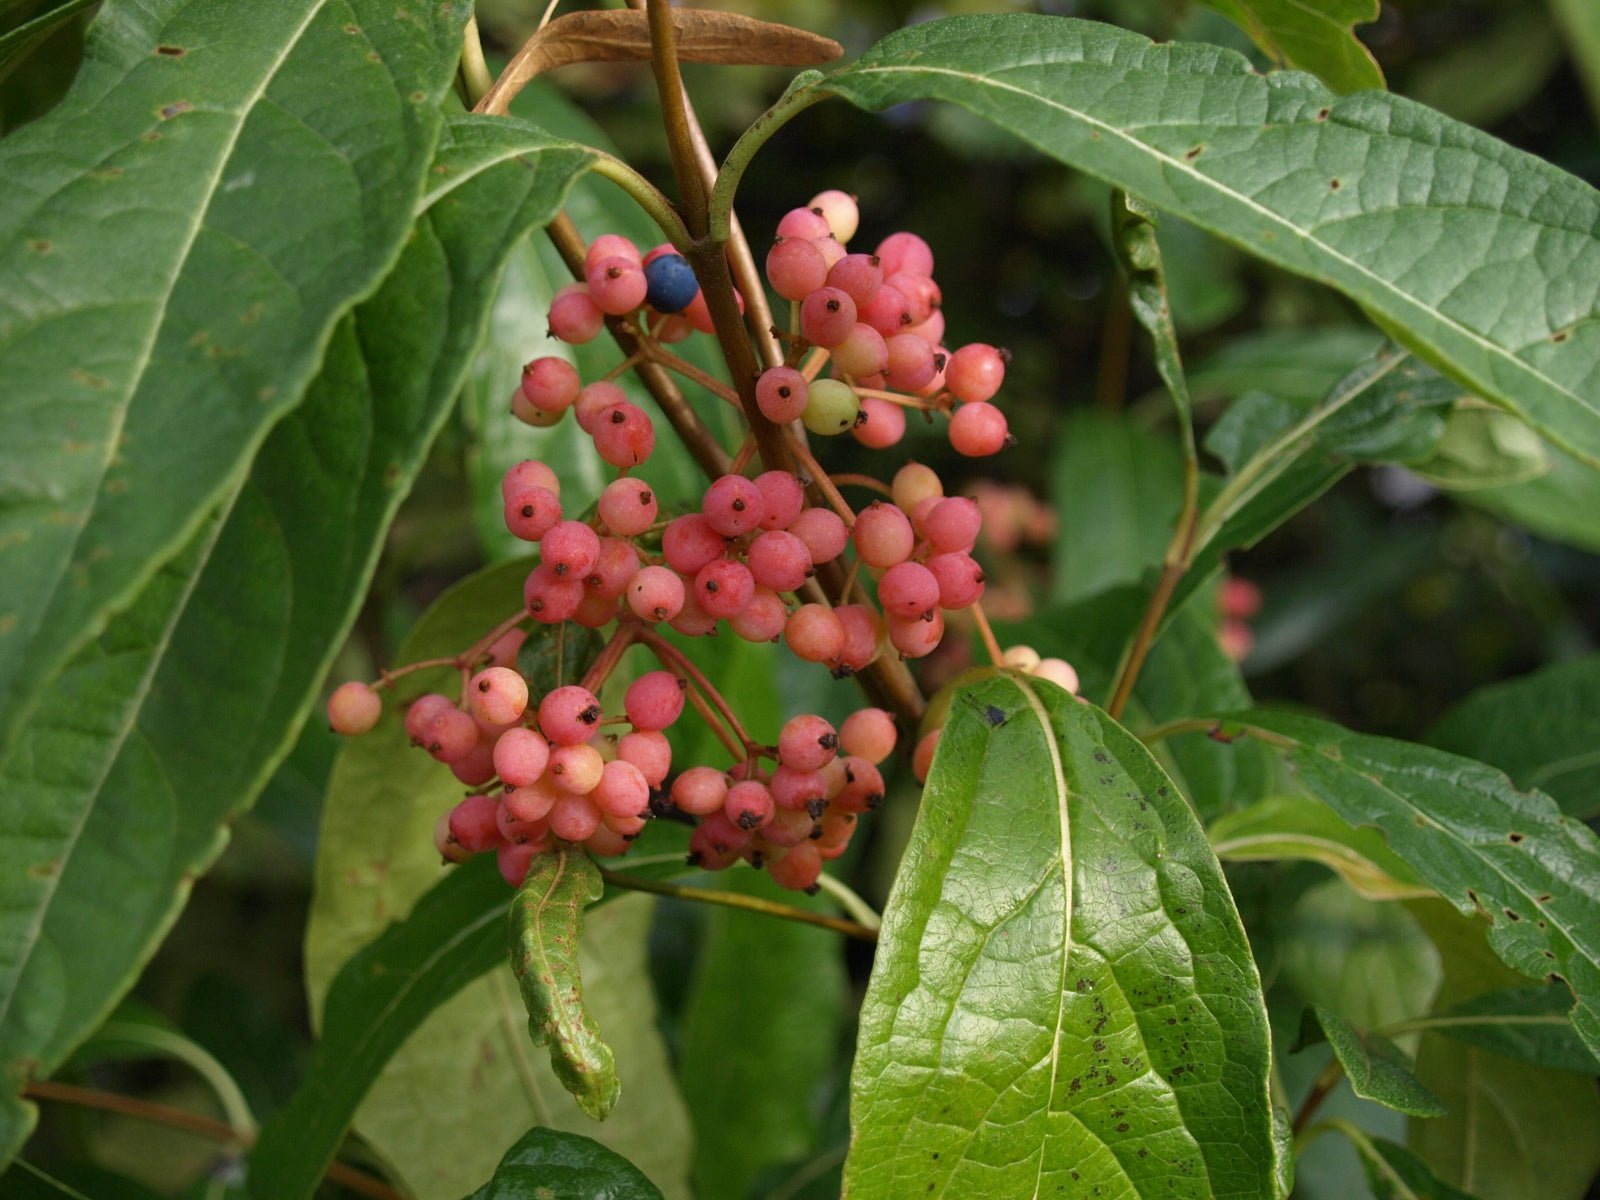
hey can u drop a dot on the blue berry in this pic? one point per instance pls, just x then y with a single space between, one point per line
671 284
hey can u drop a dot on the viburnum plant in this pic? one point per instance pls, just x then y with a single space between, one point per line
715 641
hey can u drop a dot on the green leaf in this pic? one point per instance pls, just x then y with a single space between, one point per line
546 923
1296 827
454 935
1526 1023
1513 1131
1063 997
547 1164
1466 831
1281 167
779 985
279 586
1378 1070
1484 447
1293 364
1581 25
19 42
553 655
1558 505
156 271
460 1078
1393 1172
1117 489
1315 37
1542 729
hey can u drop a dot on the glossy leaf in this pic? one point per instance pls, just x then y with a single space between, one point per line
554 655
1062 997
1377 1069
779 985
1283 168
547 1164
1314 37
1542 729
154 270
1513 1131
21 41
1527 1023
1466 831
1297 827
460 1078
278 585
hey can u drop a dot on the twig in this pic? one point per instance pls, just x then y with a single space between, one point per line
986 632
738 900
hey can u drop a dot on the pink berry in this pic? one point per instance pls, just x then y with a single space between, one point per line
616 285
552 598
889 313
789 826
717 842
781 394
622 790
613 245
763 618
520 756
530 802
724 588
569 715
881 424
655 594
953 524
932 332
749 804
574 316
830 249
863 789
689 543
354 708
593 400
911 363
863 636
422 712
908 589
613 570
571 549
975 372
497 695
916 637
733 506
795 268
883 535
905 252
529 473
868 733
1058 671
700 791
476 767
624 435
779 560
596 610
445 843
628 507
654 700
450 736
839 210
827 317
862 353
503 652
921 292
803 223
649 750
550 384
693 620
978 430
922 756
858 276
807 743
606 842
515 859
798 869
823 532
576 769
574 818
814 633
531 512
793 788
473 825
782 497
960 578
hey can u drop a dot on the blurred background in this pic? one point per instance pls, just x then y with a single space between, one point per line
1381 605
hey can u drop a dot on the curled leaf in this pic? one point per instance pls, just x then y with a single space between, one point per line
546 923
623 35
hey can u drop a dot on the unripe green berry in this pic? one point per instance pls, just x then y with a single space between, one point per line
831 407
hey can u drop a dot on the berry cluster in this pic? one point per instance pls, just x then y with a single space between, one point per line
556 766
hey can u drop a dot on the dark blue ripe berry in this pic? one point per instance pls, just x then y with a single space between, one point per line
671 284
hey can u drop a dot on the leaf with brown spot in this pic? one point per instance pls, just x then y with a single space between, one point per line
623 35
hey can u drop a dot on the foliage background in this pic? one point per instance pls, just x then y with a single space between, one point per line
1385 603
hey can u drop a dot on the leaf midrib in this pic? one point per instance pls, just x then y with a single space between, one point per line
1493 348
